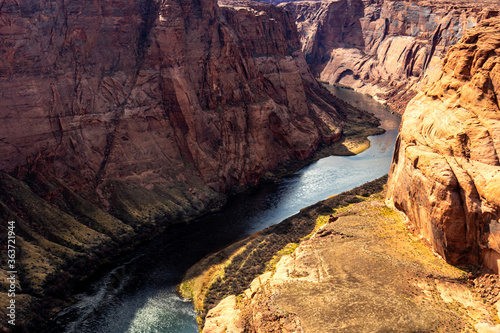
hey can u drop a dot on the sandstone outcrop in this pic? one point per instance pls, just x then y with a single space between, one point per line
241 262
445 174
383 48
118 117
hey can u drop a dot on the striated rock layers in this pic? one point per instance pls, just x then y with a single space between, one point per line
149 92
382 47
445 174
118 116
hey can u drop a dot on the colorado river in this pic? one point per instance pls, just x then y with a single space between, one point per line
138 295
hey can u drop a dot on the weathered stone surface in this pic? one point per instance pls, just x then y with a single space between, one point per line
243 261
445 174
361 273
384 48
226 318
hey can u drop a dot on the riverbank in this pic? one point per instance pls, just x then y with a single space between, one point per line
230 271
346 263
359 125
47 287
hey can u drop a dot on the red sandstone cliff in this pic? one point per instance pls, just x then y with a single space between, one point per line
139 91
384 48
118 116
143 96
446 172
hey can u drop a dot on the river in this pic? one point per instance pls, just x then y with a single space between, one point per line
138 295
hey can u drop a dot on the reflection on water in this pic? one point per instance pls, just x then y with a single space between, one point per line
149 310
144 299
330 175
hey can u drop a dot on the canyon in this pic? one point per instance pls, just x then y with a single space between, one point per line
443 187
358 270
395 49
119 118
388 49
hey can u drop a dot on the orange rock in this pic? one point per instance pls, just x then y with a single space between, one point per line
445 174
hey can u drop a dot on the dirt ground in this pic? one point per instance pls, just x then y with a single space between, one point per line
375 277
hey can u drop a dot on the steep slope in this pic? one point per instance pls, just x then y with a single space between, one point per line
119 117
384 48
446 172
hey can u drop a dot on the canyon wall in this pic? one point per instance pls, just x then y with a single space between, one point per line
148 96
120 116
445 175
142 91
388 49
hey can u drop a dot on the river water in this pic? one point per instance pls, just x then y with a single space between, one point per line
138 295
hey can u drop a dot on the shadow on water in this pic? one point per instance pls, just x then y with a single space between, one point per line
139 294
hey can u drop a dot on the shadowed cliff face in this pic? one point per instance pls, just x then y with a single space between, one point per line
119 116
446 173
384 48
143 90
174 94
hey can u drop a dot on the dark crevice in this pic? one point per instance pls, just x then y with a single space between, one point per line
386 28
149 13
466 145
436 38
408 62
395 156
495 97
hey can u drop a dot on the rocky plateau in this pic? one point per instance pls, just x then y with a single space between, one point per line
352 266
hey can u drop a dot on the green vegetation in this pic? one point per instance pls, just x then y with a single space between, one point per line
64 237
288 249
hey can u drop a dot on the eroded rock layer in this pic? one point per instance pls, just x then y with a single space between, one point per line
445 174
383 48
142 91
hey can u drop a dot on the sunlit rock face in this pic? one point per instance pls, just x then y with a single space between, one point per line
384 48
445 174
